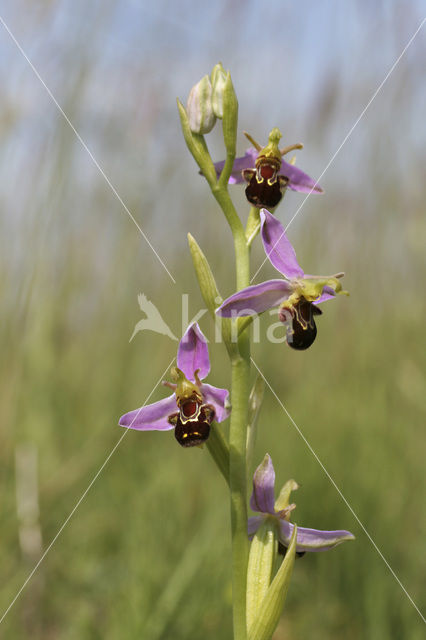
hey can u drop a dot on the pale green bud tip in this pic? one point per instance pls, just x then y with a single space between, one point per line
218 73
219 77
199 107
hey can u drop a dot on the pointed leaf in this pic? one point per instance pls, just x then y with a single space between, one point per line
263 552
208 286
273 602
205 277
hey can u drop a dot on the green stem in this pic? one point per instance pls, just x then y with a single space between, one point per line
237 480
241 250
219 450
240 362
239 351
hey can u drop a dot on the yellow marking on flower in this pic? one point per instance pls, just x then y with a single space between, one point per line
186 390
311 289
291 301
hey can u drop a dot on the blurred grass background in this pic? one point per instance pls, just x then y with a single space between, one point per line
147 553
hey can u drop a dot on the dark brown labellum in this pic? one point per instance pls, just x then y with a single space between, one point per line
301 327
264 184
193 432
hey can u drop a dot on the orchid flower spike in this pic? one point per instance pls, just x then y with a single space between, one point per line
263 502
197 403
297 296
267 173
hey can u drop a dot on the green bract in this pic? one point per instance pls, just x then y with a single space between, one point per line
273 602
263 553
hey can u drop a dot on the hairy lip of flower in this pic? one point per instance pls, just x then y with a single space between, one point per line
193 431
301 329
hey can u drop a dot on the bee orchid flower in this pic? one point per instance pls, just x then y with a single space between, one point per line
263 502
297 296
194 405
267 173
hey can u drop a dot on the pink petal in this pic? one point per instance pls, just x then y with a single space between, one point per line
219 398
312 539
255 299
153 417
253 524
299 181
262 499
193 353
278 247
247 161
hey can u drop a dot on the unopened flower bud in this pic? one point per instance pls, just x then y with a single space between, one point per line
218 84
230 116
199 107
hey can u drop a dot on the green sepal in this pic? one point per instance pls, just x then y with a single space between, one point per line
255 402
311 288
273 602
283 500
208 288
230 127
219 450
198 147
262 555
